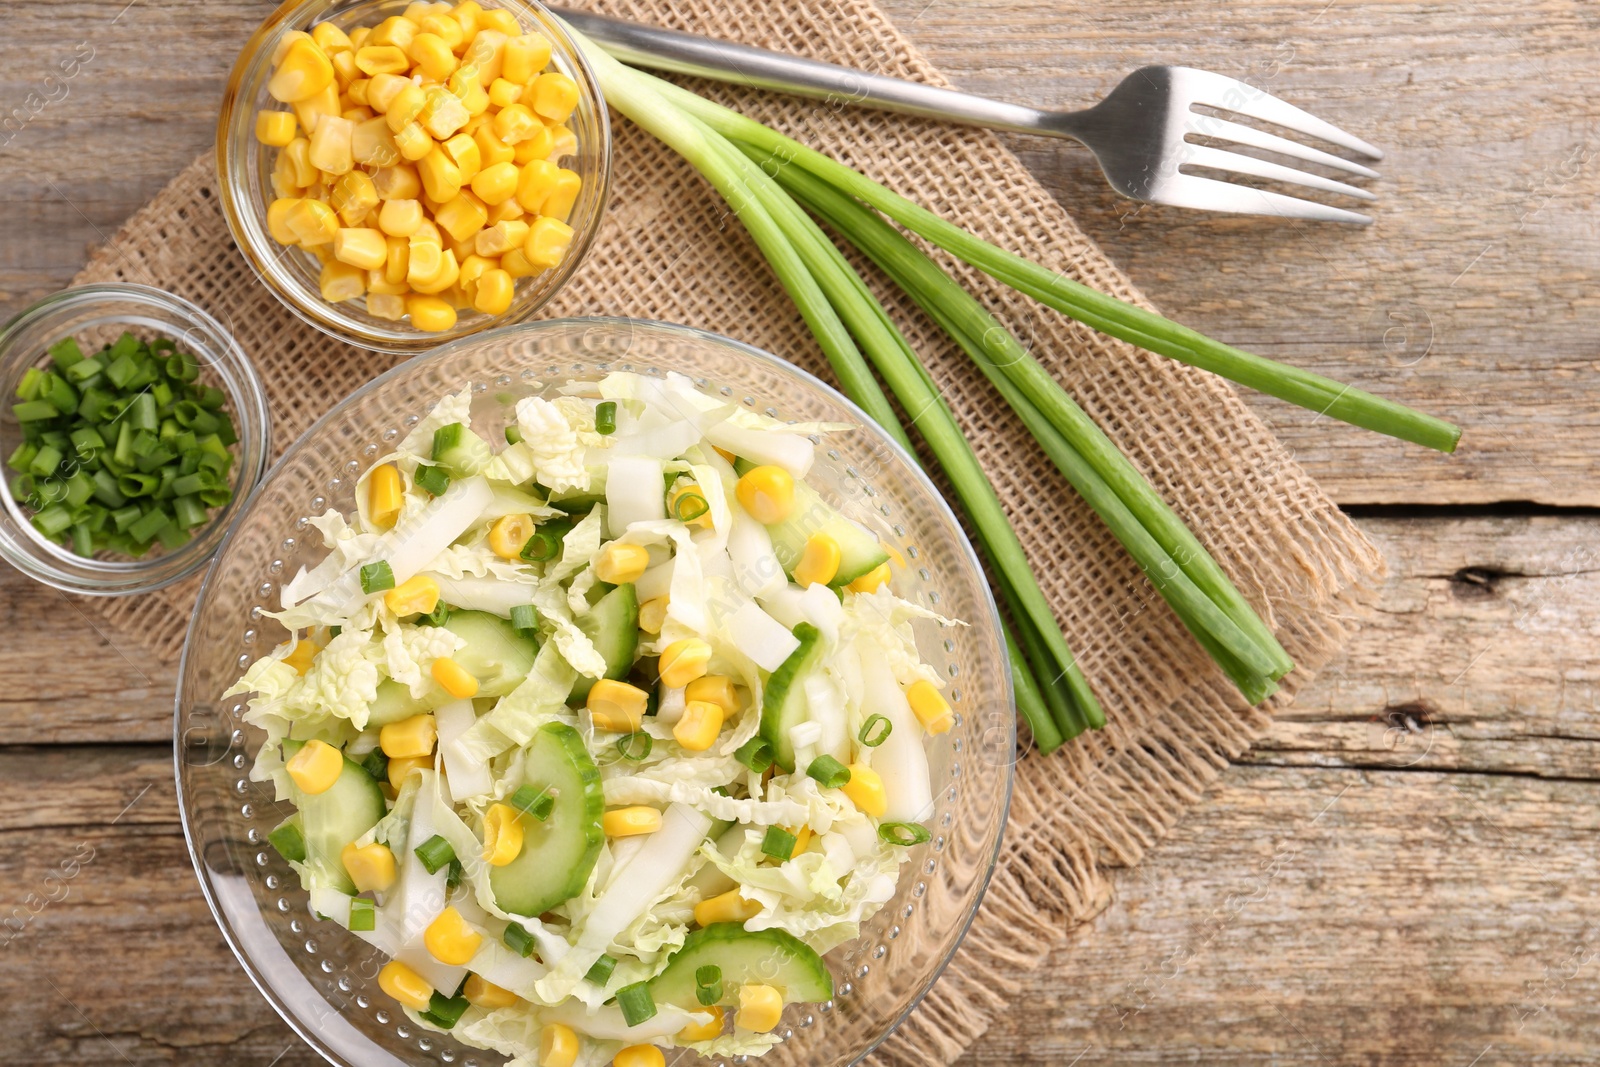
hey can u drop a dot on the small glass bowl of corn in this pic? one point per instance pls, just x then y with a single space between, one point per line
401 174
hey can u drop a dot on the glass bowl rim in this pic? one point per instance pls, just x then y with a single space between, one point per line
444 351
246 392
233 128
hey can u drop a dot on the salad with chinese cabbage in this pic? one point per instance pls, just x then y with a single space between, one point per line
604 735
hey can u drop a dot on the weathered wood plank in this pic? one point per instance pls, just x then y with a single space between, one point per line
1468 297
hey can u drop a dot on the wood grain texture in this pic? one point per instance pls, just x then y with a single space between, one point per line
1401 872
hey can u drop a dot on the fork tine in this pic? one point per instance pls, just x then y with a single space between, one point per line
1217 159
1212 126
1230 94
1210 194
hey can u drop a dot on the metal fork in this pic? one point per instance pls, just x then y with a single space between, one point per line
1140 133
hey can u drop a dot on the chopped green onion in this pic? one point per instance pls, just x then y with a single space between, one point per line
875 731
600 973
708 984
635 747
434 853
518 940
65 353
903 833
542 546
289 841
605 417
513 435
34 411
828 772
432 480
636 1003
778 842
376 577
376 763
453 876
755 754
538 803
45 461
437 617
445 438
690 506
524 619
444 1012
363 917
150 523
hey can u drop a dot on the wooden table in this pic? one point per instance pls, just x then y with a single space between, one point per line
1404 869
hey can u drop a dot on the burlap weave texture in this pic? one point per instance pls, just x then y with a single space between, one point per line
667 252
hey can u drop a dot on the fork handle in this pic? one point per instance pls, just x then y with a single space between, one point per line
685 53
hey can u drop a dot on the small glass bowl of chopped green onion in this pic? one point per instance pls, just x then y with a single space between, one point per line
132 428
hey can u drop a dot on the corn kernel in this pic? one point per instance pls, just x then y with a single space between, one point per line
330 145
558 1046
398 182
284 186
494 292
652 614
449 32
502 834
286 42
378 285
341 281
388 306
563 143
716 689
353 197
400 768
358 90
697 729
413 142
686 499
515 263
554 96
639 1056
443 114
819 561
298 153
405 106
467 14
330 38
417 595
313 109
433 55
431 314
385 495
491 149
476 101
683 661
399 218
304 72
362 248
408 738
930 707
616 707
358 36
496 183
558 205
275 128
760 1008
500 238
509 533
315 767
534 148
473 268
802 838
405 985
371 867
425 260
345 70
450 940
706 1031
619 564
484 994
396 30
766 493
463 152
449 273
865 790
871 581
382 59
548 241
383 89
727 907
535 184
504 93
277 220
303 654
396 267
516 123
373 145
441 178
631 821
447 672
502 21
524 57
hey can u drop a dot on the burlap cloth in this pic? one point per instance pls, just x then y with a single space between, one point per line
665 253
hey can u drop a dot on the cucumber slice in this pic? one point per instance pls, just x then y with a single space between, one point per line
496 654
783 705
558 853
768 957
460 451
394 702
859 551
335 817
613 625
574 502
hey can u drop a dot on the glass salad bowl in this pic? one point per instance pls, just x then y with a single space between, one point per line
320 978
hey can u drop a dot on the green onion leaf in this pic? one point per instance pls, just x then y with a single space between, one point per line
708 984
518 940
538 803
875 731
376 577
635 746
444 1012
903 833
828 772
434 853
432 480
779 843
755 754
636 1003
605 417
600 973
524 619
